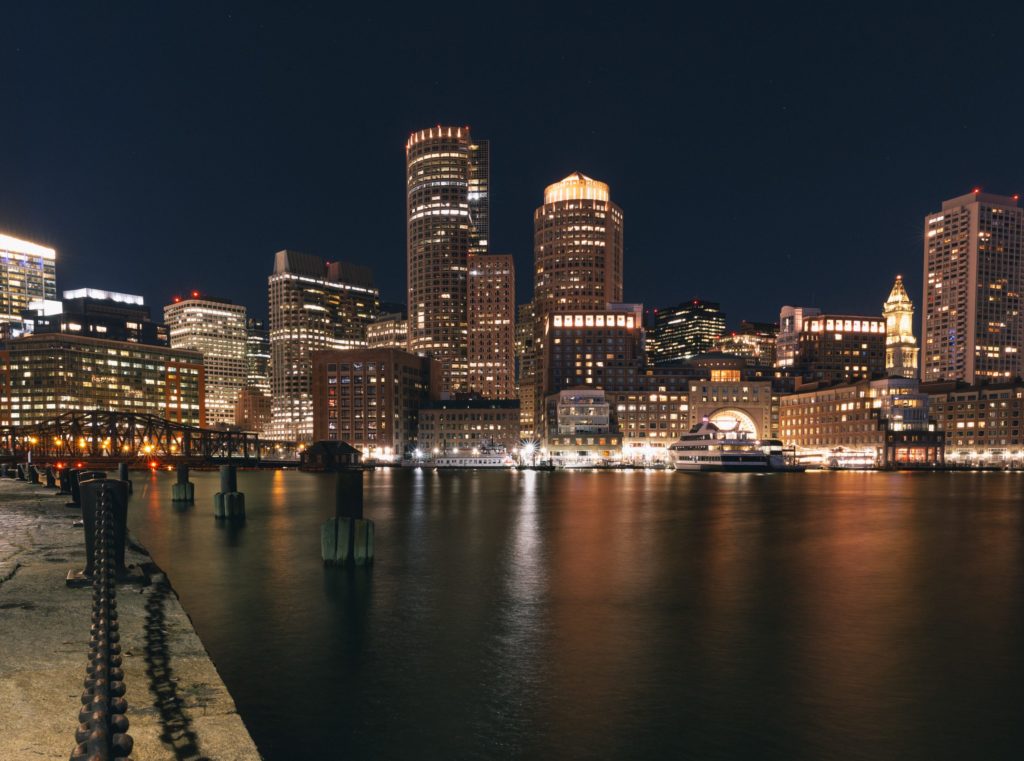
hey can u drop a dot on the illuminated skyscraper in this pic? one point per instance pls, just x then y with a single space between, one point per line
577 251
973 277
448 194
27 273
313 305
257 356
526 367
215 328
900 344
492 314
685 331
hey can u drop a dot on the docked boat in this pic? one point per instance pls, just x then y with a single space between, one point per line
781 459
706 447
484 457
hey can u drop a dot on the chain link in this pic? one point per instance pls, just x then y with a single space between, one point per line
102 733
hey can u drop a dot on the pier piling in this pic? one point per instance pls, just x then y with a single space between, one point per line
347 538
229 503
184 490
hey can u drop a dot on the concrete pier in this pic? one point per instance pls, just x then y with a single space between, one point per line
347 538
229 503
183 490
178 705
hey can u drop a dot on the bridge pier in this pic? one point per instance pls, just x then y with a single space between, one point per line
347 538
229 502
184 490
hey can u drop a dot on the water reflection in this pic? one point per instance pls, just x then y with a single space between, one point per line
613 615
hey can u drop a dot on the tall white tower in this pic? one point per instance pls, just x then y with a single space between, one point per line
900 344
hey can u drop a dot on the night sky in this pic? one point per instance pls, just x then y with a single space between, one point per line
760 158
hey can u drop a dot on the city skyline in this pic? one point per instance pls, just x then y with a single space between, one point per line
814 153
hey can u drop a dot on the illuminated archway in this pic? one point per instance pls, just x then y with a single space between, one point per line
731 419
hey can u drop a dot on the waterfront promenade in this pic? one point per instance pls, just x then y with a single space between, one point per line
178 705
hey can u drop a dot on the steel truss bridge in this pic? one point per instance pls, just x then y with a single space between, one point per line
102 434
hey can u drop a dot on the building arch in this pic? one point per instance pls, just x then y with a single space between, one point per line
735 419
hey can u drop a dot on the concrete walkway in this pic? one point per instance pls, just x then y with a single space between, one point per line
178 707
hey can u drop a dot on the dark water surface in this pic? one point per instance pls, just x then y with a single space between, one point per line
614 614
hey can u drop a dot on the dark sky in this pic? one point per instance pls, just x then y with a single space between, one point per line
761 157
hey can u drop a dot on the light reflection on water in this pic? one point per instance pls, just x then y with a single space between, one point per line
613 615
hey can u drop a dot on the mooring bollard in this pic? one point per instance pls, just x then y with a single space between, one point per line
184 490
51 480
122 475
117 494
347 538
32 473
229 502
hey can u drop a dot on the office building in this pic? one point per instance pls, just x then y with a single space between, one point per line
900 344
99 314
583 433
454 426
257 356
370 398
252 410
791 326
389 331
973 278
442 165
981 423
314 305
526 368
753 340
27 273
684 331
649 422
491 298
870 423
837 348
217 329
44 375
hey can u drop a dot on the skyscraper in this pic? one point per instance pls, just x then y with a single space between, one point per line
443 166
791 325
216 328
27 273
973 276
526 367
257 356
900 344
313 305
577 252
684 331
491 298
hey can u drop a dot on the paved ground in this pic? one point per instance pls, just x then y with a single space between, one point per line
178 706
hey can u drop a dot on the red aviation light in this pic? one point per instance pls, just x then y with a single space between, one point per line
195 294
976 191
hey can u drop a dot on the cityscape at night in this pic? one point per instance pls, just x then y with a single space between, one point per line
571 383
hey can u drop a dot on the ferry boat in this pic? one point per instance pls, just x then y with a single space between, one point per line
708 448
483 457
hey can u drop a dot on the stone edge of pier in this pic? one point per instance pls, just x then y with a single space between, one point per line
174 692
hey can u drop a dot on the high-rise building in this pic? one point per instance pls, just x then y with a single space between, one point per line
578 258
900 344
480 196
838 348
443 166
526 367
98 313
684 331
791 325
389 331
973 279
578 244
314 305
370 398
216 328
754 340
257 356
491 297
27 273
46 374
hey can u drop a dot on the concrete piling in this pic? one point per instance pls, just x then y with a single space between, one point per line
347 538
229 503
122 475
184 490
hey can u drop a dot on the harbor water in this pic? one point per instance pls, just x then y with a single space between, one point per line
634 614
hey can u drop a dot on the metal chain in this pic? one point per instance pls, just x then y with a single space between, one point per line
102 733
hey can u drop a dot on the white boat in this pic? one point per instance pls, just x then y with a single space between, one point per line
706 447
484 457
